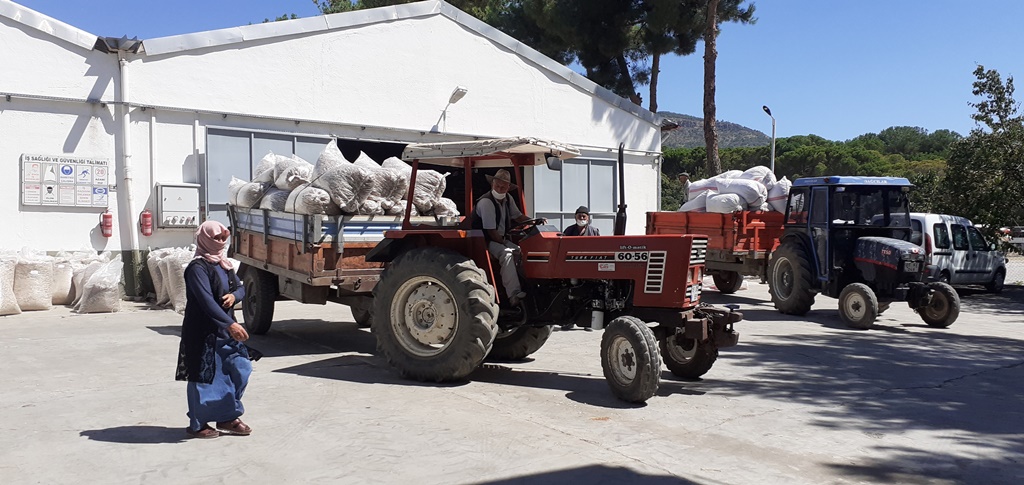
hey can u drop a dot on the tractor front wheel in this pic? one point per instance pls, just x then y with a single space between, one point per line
727 282
434 315
630 360
944 307
791 279
858 306
688 357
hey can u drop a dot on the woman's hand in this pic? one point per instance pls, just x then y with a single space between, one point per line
228 300
237 332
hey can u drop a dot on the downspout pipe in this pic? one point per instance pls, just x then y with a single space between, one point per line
126 163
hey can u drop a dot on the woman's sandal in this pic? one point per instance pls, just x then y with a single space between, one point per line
204 434
235 427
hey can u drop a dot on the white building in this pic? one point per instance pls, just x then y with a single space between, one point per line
201 108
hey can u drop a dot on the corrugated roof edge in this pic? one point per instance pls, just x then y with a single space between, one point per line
178 43
46 24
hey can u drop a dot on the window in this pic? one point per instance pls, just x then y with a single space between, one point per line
941 236
819 203
915 232
960 238
797 212
978 242
592 183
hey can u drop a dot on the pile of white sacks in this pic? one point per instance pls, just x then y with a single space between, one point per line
337 186
167 270
755 189
31 281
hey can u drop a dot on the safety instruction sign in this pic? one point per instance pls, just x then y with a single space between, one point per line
58 180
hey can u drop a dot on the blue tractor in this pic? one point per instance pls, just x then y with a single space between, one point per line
849 238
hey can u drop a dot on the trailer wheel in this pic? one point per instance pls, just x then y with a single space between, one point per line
858 306
434 315
258 304
790 279
727 282
361 316
686 357
883 306
630 360
516 344
944 307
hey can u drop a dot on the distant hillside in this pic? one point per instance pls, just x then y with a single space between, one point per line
690 133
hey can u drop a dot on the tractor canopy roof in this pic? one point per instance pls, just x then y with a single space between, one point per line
850 180
491 152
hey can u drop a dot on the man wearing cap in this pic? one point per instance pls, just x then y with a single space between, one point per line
496 213
684 179
582 226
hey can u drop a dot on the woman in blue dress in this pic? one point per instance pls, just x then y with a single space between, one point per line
211 356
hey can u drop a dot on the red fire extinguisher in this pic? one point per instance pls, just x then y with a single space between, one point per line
146 222
107 223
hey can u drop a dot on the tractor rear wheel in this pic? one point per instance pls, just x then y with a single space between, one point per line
258 304
630 360
434 315
944 307
687 357
727 282
517 343
790 279
858 306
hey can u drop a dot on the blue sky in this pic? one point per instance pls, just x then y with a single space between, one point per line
834 68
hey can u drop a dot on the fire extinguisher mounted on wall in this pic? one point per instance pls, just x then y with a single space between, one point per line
107 223
146 222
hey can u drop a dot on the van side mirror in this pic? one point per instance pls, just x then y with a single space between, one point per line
554 163
991 246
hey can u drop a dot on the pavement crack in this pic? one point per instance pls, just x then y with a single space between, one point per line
955 379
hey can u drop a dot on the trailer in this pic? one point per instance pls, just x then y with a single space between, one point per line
739 243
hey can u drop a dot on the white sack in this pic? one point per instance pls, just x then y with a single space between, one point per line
759 208
753 193
174 277
695 204
8 302
33 284
250 194
445 207
779 194
761 174
348 184
234 186
153 265
430 186
310 200
264 171
62 284
101 292
292 173
371 207
725 203
399 209
390 184
274 199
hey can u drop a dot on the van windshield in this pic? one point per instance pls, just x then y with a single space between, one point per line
870 206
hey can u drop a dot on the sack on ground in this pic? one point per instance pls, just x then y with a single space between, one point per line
153 265
62 282
102 292
8 302
33 284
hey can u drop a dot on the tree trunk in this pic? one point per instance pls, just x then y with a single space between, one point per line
655 69
625 79
714 165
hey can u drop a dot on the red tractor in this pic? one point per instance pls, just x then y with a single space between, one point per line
439 310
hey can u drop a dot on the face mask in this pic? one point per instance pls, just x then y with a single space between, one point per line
497 196
583 223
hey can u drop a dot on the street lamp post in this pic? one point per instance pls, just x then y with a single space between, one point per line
769 112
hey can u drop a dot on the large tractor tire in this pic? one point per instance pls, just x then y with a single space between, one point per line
687 357
858 306
629 357
944 307
434 315
727 282
516 344
791 279
258 304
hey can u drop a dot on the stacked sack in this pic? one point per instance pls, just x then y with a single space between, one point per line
31 280
167 270
755 189
337 186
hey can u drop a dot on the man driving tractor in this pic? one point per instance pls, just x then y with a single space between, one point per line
496 213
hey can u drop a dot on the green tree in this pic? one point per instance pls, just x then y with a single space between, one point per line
985 178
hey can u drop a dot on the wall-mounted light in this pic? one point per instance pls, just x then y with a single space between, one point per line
457 94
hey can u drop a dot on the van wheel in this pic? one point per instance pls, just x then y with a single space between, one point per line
727 282
944 277
944 307
790 279
996 285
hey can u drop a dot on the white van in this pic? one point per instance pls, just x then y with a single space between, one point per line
959 252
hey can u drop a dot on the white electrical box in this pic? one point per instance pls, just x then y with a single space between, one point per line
177 206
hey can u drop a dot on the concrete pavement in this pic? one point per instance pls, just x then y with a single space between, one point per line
91 399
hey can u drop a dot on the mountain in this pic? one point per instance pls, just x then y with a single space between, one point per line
690 133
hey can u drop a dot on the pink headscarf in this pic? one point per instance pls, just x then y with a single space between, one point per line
209 248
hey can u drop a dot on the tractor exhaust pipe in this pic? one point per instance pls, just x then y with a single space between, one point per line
620 215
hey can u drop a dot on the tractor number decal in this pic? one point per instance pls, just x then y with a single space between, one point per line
590 257
635 256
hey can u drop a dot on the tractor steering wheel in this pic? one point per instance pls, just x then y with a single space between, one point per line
520 229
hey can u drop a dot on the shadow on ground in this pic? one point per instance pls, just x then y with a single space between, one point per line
137 435
594 475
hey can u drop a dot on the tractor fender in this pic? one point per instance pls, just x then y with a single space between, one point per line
802 240
388 250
